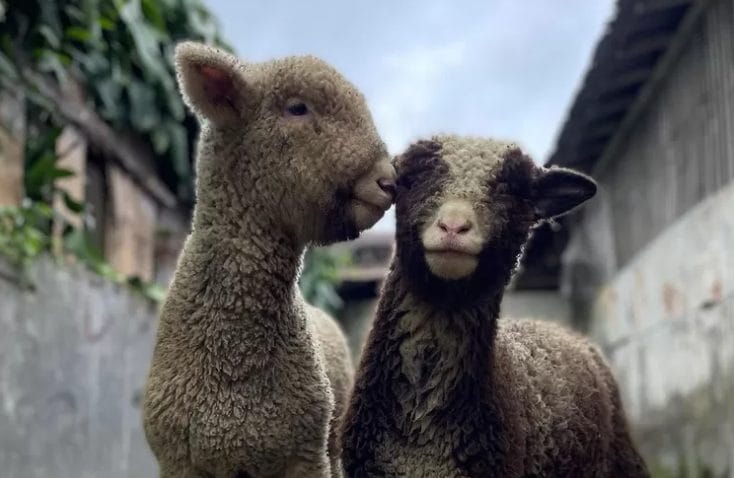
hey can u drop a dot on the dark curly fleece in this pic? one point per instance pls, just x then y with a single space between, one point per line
444 388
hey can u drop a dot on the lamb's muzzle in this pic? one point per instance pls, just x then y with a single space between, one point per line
387 185
373 194
452 240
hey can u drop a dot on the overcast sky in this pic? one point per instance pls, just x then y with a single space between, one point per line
503 68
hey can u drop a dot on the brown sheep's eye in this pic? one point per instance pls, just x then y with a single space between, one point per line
297 109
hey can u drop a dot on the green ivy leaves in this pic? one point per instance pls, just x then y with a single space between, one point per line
122 50
320 274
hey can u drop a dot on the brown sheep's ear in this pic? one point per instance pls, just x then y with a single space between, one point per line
557 191
211 82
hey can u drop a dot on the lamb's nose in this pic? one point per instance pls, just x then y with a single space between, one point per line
387 185
455 225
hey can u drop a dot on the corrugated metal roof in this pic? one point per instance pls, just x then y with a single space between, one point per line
623 62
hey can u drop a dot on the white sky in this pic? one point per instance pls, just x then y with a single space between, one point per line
498 68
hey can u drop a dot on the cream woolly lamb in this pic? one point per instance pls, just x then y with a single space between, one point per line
446 389
246 378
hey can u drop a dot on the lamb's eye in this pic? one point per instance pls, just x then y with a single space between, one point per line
297 108
403 182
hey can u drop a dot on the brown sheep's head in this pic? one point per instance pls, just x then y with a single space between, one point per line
292 137
465 206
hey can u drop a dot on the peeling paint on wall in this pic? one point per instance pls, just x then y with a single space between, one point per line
666 322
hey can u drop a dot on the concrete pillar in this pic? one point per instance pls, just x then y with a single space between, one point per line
12 145
130 226
71 152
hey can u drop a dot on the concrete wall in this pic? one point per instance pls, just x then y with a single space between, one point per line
666 321
650 264
73 358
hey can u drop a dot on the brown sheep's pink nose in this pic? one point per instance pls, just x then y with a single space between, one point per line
387 185
455 225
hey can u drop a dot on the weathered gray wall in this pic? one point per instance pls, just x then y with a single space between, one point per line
666 322
653 257
73 358
681 148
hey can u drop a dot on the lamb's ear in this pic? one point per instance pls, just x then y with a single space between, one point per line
557 191
211 81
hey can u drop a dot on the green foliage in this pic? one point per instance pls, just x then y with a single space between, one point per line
25 235
319 278
76 242
122 52
41 171
23 232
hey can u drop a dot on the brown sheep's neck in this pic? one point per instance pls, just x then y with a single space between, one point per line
433 351
443 351
427 371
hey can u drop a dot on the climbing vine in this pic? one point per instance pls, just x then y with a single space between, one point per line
120 52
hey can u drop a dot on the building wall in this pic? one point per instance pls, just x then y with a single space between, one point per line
666 322
655 251
681 148
74 353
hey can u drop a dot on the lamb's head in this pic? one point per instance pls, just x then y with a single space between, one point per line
294 133
465 206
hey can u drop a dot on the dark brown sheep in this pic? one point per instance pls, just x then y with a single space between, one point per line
444 388
246 378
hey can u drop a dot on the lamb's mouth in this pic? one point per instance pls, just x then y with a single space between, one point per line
367 213
451 263
451 252
380 202
370 204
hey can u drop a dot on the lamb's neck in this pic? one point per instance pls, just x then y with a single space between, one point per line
445 352
244 269
253 259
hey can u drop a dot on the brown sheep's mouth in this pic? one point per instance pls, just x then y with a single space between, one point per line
457 251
